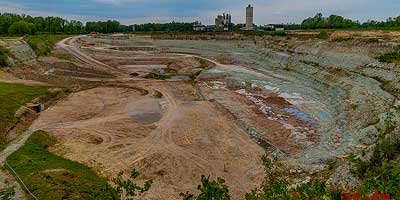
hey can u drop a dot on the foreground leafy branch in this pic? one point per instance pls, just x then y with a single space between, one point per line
127 189
209 190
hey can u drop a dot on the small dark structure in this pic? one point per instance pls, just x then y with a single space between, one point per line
37 107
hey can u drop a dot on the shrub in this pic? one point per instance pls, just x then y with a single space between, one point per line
3 56
323 35
209 190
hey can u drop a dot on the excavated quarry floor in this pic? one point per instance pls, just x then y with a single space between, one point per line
301 101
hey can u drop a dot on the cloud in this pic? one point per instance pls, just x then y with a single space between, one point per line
11 7
118 2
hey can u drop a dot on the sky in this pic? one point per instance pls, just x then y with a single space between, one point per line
162 11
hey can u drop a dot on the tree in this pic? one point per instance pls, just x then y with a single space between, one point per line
20 28
398 21
127 188
209 190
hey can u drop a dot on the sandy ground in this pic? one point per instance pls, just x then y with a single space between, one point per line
170 140
9 78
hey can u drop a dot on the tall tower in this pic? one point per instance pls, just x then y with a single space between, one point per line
249 18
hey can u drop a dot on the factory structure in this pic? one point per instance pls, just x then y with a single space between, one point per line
224 22
249 18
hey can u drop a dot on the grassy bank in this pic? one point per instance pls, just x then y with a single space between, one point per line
49 176
12 97
43 44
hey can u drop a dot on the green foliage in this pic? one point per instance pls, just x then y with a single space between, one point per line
20 28
384 180
339 22
274 185
43 44
333 21
50 176
389 57
313 189
323 35
209 190
128 188
16 25
12 97
381 173
167 27
3 56
7 194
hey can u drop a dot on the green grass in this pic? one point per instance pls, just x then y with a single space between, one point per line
43 44
12 96
49 176
393 57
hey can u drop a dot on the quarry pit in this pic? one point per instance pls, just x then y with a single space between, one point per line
175 108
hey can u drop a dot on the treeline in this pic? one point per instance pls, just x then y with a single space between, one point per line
339 22
168 27
18 25
107 27
14 25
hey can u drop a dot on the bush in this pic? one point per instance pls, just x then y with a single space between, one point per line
128 188
3 56
323 35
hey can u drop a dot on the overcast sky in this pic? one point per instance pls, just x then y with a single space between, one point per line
141 11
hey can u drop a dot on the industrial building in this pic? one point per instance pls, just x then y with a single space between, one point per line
275 27
198 26
223 22
249 18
